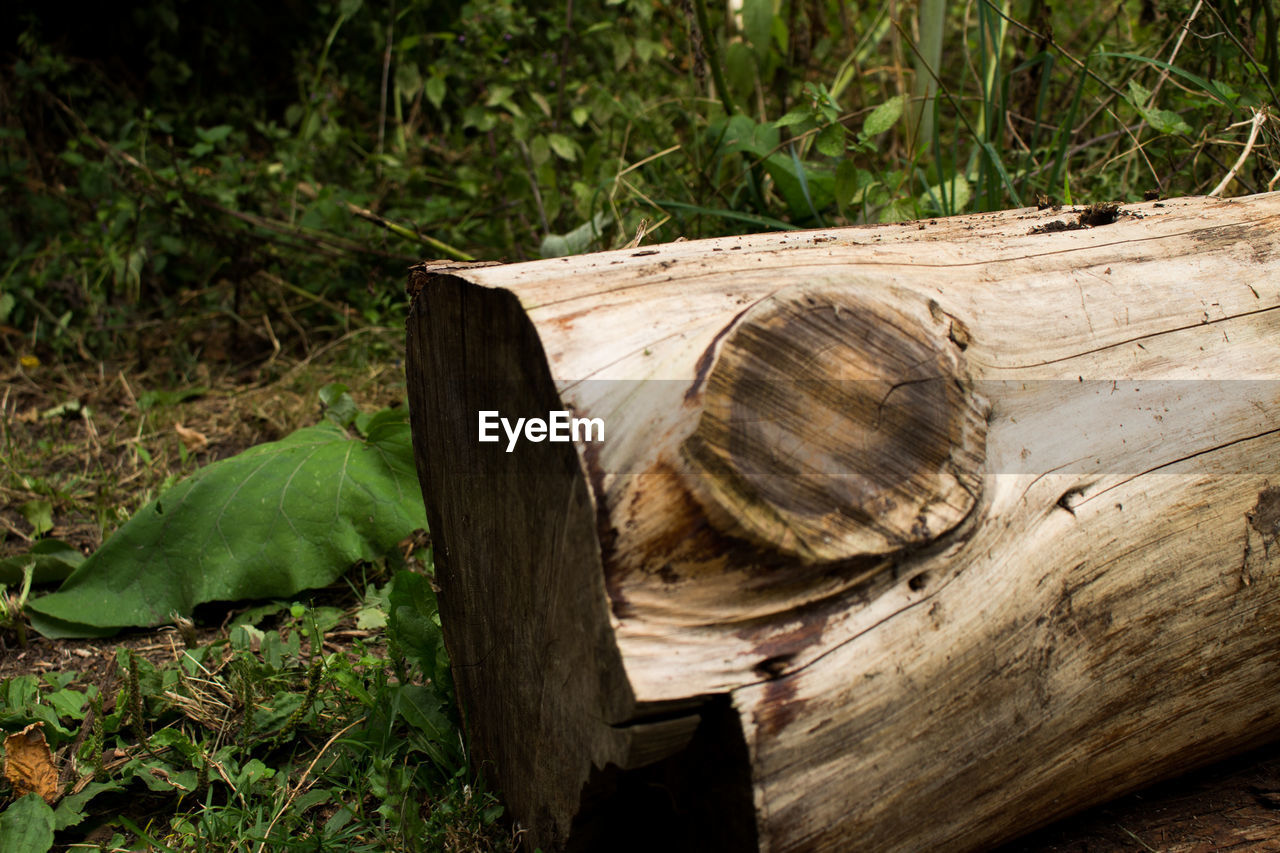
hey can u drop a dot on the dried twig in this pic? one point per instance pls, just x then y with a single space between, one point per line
1260 117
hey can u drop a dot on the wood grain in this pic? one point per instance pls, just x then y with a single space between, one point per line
964 527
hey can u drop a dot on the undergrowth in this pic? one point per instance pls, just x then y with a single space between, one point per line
199 200
273 173
301 727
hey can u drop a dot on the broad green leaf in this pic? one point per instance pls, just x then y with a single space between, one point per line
436 89
884 116
371 617
740 68
39 514
268 523
740 133
757 22
425 711
498 95
899 210
339 407
576 241
20 693
1165 121
793 118
948 198
830 140
53 559
413 623
562 146
647 49
70 810
68 703
27 826
846 181
214 134
805 188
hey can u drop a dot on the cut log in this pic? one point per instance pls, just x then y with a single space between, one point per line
897 538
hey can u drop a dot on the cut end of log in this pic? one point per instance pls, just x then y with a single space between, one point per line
833 428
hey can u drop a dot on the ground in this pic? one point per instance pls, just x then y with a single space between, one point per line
95 441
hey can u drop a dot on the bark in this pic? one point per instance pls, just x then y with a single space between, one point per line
901 537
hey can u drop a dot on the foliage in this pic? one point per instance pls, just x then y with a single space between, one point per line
249 181
274 520
263 739
288 165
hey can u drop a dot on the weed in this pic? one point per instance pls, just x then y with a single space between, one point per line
341 752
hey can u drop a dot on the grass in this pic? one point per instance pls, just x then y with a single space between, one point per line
276 725
278 735
182 275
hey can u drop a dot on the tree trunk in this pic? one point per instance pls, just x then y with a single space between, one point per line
898 538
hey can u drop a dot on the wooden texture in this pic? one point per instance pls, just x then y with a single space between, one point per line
902 537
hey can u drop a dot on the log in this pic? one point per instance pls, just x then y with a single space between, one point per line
902 537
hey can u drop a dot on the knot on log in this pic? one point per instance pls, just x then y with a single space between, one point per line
835 427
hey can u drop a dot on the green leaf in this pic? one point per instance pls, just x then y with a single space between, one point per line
576 241
830 140
436 89
562 146
413 623
70 810
1165 121
425 712
740 68
53 559
757 23
806 189
740 133
7 303
151 399
793 118
39 514
27 826
213 135
846 181
339 407
68 703
948 198
274 520
1225 97
371 617
884 116
899 210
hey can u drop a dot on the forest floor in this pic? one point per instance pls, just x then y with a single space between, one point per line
94 442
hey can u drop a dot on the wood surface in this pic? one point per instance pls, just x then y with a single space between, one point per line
902 537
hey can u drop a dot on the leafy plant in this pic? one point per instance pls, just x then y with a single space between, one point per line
273 520
262 738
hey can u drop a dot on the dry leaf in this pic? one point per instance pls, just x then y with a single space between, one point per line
28 765
192 439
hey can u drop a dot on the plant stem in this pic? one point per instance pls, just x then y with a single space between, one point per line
713 55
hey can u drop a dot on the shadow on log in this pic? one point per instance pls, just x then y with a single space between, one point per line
891 538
